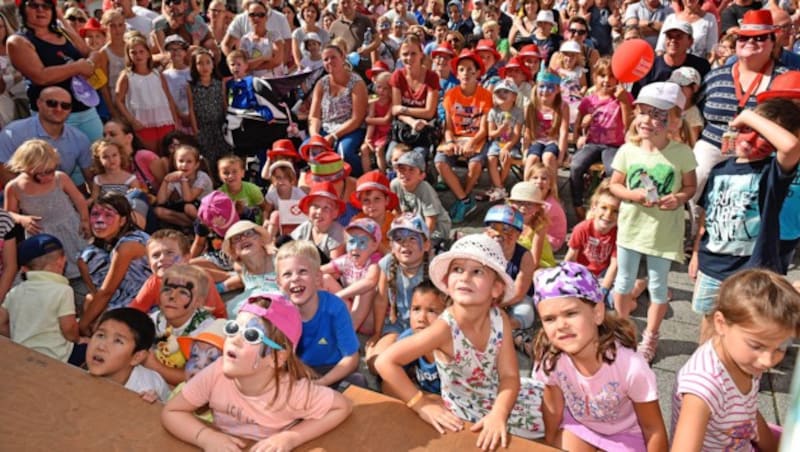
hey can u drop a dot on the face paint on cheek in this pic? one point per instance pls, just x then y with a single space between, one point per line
757 148
357 243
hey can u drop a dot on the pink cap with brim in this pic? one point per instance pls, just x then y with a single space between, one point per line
281 313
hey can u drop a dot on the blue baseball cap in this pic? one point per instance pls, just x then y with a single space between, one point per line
37 246
504 214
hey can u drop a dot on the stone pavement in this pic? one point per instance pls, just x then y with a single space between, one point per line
679 331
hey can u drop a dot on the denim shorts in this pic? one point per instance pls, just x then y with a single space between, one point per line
540 149
494 149
705 294
657 273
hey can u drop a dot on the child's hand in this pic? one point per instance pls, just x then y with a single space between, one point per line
212 440
493 428
669 202
693 266
581 142
640 195
149 396
30 223
280 442
86 229
174 176
620 92
438 416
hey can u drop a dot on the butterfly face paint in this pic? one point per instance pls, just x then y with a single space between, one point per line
751 145
104 220
401 236
201 356
658 118
357 243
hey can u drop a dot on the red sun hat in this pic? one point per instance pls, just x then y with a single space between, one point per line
467 54
327 167
283 148
515 63
374 180
530 50
91 25
377 68
315 140
756 23
487 45
444 48
786 85
322 190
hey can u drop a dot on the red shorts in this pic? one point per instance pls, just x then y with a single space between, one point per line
155 134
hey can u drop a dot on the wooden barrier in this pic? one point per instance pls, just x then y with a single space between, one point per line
46 405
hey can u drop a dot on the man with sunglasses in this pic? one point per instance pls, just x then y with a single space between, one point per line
678 38
277 24
174 20
136 17
54 106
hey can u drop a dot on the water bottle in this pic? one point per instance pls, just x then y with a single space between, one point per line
650 187
368 36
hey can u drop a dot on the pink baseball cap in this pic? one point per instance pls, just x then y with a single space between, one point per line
367 225
218 212
281 313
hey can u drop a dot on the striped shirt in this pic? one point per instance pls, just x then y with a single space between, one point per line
732 425
719 104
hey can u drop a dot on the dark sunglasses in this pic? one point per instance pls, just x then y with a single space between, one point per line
259 15
759 38
47 172
52 103
575 31
76 19
173 2
39 6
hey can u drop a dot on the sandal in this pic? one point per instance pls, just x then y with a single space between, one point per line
523 341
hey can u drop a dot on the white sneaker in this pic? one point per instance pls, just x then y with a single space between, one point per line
497 194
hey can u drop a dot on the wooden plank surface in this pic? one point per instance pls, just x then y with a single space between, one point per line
46 405
381 423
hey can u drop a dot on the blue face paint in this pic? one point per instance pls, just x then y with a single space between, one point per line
401 235
200 357
357 243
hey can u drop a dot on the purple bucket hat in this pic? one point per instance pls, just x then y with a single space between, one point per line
567 279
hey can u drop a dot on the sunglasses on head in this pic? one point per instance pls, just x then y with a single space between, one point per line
250 334
52 103
759 38
259 15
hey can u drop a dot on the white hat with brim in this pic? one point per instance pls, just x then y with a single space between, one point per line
477 247
662 95
527 192
238 228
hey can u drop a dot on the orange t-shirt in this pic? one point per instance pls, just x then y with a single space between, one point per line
466 113
151 290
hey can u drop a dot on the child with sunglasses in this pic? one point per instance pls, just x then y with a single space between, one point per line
741 203
259 390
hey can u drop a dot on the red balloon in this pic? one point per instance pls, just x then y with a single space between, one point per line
632 60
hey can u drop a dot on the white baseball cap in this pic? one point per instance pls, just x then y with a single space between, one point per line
662 95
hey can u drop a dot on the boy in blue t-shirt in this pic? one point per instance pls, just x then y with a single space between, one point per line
742 201
427 304
328 344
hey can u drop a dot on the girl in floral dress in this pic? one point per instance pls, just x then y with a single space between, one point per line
474 352
207 107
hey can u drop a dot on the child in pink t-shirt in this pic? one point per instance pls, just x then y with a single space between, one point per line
603 118
599 393
259 389
358 271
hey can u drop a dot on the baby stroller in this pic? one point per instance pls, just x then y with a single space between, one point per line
248 131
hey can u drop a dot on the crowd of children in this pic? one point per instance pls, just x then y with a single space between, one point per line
246 300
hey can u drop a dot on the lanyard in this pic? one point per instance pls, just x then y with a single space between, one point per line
742 98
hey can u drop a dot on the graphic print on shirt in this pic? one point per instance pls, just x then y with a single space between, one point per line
733 216
662 175
603 406
467 119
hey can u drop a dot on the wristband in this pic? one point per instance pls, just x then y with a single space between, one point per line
413 401
220 286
